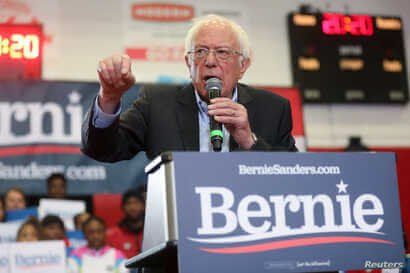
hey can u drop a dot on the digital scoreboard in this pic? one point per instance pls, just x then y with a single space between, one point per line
343 58
21 51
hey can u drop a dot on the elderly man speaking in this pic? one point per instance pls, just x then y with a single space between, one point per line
169 118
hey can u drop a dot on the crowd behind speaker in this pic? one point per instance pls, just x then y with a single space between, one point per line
88 236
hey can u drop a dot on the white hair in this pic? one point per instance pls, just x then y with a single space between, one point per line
239 32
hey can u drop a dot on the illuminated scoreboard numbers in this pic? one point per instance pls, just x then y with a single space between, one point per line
24 46
20 51
339 58
339 24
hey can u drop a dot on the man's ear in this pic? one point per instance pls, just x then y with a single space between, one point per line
244 63
186 60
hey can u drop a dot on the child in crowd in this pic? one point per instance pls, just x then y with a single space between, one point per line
56 186
14 199
96 256
29 231
52 228
127 235
80 219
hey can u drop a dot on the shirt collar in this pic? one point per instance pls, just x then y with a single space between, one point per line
97 252
203 106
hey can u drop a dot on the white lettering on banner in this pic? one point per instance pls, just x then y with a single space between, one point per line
34 113
31 171
359 212
277 169
39 172
367 214
326 263
263 212
86 173
207 210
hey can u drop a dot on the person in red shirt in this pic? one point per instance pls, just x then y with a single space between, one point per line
127 235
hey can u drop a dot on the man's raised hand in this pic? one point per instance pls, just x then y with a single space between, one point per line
115 78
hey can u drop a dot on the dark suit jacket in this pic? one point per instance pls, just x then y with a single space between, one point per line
165 118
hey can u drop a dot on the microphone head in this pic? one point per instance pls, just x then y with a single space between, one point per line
214 87
213 83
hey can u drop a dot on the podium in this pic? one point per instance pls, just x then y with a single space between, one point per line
270 212
160 238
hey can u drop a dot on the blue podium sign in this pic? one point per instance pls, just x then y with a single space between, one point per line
287 212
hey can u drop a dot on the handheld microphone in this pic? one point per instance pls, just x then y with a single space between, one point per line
214 86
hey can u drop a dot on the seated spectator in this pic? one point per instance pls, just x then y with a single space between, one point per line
52 228
14 199
2 210
127 235
56 186
80 219
96 256
29 231
76 237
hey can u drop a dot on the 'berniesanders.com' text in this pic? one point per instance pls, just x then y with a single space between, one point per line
278 169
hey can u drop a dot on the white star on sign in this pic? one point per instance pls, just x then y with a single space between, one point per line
342 187
74 97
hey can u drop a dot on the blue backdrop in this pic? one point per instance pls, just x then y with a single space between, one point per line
40 133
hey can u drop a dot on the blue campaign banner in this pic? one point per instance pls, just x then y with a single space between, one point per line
40 133
287 212
21 214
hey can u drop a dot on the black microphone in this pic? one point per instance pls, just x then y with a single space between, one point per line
214 86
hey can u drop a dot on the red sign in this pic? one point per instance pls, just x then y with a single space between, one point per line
20 51
162 12
156 53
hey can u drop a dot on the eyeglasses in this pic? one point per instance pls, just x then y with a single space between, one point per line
221 54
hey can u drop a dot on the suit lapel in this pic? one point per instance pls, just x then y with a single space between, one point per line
246 100
187 117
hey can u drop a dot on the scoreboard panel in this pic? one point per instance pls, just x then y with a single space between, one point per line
341 58
21 51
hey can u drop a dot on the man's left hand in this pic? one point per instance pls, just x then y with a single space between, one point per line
234 117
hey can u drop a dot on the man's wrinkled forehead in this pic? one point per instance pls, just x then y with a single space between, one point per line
216 32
